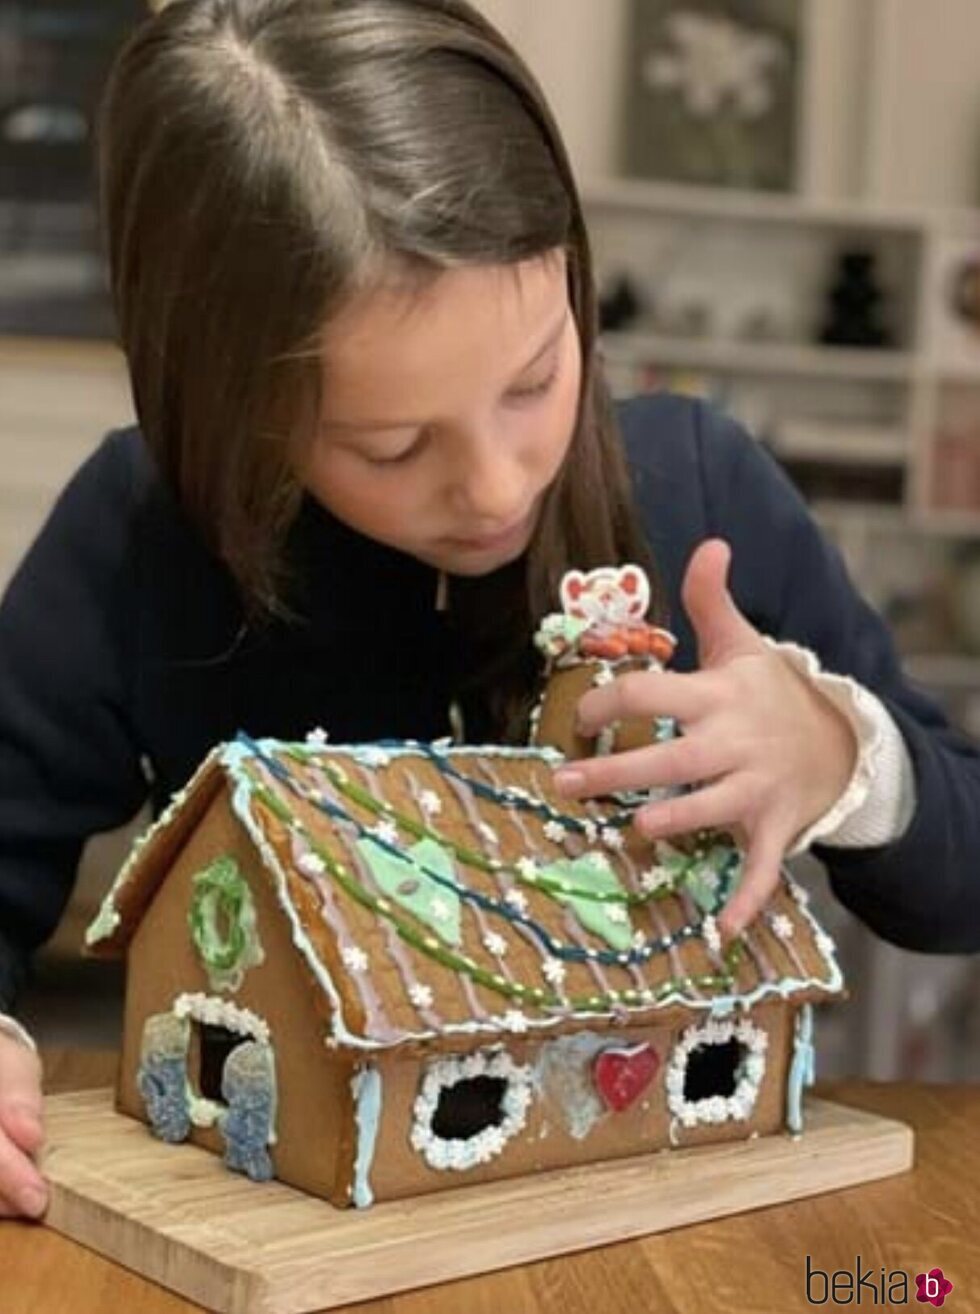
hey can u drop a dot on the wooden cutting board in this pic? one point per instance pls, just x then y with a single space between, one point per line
175 1215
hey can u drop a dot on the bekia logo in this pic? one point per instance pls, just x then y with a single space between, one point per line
933 1287
865 1286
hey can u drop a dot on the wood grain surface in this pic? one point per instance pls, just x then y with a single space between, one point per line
753 1263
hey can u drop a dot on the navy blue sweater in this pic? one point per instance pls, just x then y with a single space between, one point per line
123 659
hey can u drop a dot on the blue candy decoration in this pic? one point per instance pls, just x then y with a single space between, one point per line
248 1086
162 1076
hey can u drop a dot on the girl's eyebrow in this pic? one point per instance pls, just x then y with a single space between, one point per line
381 425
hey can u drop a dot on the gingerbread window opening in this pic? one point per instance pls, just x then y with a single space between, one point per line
468 1107
215 1045
713 1069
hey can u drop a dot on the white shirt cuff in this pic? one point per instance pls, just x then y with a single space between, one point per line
880 799
11 1027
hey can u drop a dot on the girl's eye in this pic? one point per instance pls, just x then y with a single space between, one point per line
401 458
520 394
538 389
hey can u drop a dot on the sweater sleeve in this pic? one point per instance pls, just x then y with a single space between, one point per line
922 890
69 763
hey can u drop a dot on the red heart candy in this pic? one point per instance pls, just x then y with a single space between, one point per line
622 1075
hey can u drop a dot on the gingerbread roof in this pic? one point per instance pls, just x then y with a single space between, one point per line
437 891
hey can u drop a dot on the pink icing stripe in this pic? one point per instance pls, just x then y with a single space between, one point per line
378 1023
476 1008
395 947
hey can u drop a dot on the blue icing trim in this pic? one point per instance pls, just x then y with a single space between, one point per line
802 1071
248 1085
235 756
421 882
366 1087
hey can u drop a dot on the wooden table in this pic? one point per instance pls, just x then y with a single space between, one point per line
752 1263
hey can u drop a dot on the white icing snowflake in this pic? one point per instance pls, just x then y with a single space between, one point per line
554 972
612 838
656 878
604 675
639 940
430 803
554 831
800 895
527 867
420 995
386 831
439 908
317 738
355 959
824 943
712 936
589 829
514 1020
495 944
617 913
782 926
517 900
311 865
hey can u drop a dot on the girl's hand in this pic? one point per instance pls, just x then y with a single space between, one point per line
770 753
22 1188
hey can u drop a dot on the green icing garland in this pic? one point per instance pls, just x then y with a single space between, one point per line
467 966
221 895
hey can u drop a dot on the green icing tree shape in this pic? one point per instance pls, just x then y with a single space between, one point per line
592 875
406 881
703 877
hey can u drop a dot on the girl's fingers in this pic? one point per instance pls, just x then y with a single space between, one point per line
716 805
22 1188
21 1104
647 694
759 881
682 761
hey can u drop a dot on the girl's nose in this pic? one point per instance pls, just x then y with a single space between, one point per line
489 487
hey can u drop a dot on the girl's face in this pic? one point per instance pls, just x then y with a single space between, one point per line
444 423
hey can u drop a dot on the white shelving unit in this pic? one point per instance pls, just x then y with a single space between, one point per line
707 262
732 255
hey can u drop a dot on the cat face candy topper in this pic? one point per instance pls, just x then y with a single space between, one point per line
607 595
603 617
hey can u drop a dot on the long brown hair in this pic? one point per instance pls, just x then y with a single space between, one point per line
264 162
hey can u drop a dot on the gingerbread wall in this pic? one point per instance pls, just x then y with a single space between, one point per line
314 1116
399 1170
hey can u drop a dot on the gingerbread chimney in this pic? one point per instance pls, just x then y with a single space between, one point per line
600 633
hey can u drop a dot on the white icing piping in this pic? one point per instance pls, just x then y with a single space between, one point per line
483 1146
107 919
217 1012
716 1108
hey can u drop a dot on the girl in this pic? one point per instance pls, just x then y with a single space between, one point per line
354 289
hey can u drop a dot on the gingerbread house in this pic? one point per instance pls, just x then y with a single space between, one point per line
374 971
